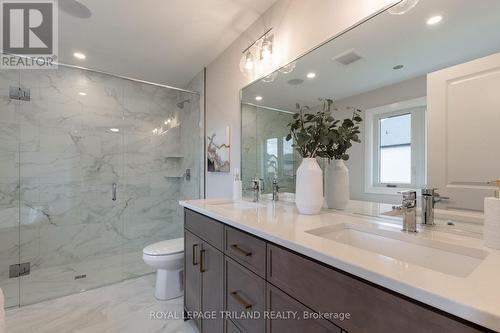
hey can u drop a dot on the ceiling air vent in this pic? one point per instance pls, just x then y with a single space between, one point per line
347 57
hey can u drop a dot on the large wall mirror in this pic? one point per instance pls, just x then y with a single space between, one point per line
428 83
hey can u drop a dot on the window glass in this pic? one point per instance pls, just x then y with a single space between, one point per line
395 149
272 156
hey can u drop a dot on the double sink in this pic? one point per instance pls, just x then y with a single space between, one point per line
414 249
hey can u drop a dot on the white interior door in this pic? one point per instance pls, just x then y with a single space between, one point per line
463 131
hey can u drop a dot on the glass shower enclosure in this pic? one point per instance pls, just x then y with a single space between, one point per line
92 167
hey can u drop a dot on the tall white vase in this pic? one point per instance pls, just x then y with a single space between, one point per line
309 187
337 185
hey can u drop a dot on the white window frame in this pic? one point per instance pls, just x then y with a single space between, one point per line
417 108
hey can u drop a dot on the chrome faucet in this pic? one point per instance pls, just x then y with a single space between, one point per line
429 198
276 189
408 209
256 188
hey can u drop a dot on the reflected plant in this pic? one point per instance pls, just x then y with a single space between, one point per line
321 135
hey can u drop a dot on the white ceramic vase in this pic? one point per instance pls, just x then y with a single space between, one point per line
309 187
337 185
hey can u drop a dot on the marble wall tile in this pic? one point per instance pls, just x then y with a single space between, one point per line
58 161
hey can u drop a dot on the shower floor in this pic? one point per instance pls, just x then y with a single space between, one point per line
53 282
122 307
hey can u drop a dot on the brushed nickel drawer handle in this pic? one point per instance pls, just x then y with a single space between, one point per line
241 301
240 250
202 261
195 251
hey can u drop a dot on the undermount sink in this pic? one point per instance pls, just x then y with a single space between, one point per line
236 204
439 256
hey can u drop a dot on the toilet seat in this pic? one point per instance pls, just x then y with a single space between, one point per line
163 248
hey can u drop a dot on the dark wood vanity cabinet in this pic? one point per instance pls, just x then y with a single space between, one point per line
203 273
230 271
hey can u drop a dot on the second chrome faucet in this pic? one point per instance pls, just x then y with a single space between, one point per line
408 209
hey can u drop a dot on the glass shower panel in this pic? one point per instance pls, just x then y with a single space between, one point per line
71 229
91 171
10 143
161 166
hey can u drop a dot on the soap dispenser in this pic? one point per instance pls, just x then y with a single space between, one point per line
237 186
492 219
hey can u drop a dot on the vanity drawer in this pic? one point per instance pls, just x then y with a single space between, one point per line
371 308
245 292
279 302
204 227
246 249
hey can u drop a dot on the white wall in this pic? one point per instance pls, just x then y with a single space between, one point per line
401 91
299 26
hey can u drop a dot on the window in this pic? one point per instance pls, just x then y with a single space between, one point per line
395 147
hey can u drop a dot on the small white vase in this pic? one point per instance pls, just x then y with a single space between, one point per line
309 187
337 185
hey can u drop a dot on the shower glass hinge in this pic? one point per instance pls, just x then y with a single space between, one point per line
18 270
19 93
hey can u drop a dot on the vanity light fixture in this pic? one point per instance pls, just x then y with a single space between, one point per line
116 130
259 51
434 20
287 69
81 93
258 98
311 75
267 49
79 56
403 7
248 62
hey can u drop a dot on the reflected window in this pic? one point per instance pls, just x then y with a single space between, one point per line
272 156
395 149
396 155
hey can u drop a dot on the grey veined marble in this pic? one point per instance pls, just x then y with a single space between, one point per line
60 155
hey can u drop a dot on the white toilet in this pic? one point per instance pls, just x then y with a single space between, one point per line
167 257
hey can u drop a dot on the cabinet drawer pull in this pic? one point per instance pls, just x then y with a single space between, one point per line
240 250
202 261
241 301
195 252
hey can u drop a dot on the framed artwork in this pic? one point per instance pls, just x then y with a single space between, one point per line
218 151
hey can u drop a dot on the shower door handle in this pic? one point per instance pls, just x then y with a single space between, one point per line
114 192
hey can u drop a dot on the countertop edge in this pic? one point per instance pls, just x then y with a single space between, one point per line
464 311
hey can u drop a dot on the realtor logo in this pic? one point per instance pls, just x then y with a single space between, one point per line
29 33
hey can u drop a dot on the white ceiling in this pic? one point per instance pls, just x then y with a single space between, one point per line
163 41
470 29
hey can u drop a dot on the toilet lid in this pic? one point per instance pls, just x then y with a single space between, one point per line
162 248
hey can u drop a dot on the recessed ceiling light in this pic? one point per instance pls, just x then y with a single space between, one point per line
114 130
398 67
81 93
311 75
434 20
258 98
79 55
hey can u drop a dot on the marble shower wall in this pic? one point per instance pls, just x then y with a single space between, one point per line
259 125
61 152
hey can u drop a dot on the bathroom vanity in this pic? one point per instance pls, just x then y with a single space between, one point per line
332 272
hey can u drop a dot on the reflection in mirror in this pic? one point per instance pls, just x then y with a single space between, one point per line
427 82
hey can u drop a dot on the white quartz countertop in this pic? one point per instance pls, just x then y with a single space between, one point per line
475 297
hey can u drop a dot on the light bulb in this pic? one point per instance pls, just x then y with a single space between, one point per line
267 50
249 62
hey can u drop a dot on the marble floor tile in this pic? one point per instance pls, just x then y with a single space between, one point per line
123 307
